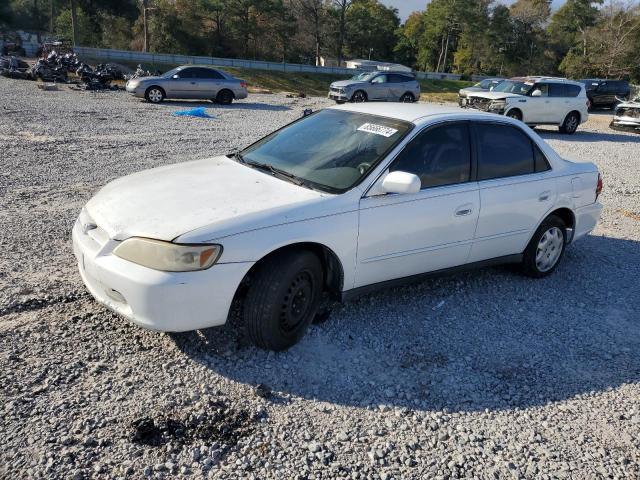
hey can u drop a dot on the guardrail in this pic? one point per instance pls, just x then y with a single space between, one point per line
170 59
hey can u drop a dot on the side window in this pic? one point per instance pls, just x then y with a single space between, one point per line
557 90
439 156
380 79
503 151
572 90
541 163
186 73
543 87
209 73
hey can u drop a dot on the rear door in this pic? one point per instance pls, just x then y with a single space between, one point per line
208 82
517 189
399 85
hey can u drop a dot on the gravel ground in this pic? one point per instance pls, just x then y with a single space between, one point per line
485 374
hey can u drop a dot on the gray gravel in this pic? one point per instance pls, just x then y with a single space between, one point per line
485 374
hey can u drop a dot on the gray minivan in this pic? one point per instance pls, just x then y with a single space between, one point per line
376 86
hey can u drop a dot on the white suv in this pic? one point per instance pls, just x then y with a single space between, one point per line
537 101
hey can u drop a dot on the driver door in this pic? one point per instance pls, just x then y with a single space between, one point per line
407 234
537 110
379 89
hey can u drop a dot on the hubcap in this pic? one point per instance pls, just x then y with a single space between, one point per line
549 249
296 303
155 95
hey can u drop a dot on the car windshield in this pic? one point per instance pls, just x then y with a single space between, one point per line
331 150
512 86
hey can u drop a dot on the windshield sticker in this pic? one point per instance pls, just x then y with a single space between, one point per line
377 129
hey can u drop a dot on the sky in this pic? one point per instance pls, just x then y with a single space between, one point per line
405 7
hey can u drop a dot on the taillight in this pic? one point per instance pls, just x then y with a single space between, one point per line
243 84
599 186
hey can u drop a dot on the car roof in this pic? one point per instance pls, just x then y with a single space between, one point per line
410 112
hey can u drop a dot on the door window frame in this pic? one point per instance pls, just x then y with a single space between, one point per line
534 146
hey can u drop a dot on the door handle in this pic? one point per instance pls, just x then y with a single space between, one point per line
193 83
544 196
463 211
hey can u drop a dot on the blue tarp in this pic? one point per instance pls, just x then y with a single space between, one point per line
193 112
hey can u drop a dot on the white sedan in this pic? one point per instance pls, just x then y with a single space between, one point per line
338 203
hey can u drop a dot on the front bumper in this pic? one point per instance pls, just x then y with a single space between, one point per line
625 124
134 89
338 97
164 301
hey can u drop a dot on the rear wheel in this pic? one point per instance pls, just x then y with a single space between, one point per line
283 298
224 97
407 98
570 124
359 97
546 248
154 94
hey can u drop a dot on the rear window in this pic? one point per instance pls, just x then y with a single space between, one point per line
572 90
557 90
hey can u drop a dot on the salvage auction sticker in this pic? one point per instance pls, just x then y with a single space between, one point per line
377 129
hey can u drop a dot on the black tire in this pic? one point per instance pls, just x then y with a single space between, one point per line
340 102
154 94
515 114
407 98
224 97
283 298
532 264
359 96
570 124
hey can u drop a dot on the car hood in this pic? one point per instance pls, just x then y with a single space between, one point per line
347 83
218 193
467 90
495 95
147 79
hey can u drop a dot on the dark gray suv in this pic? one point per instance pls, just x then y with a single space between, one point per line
376 86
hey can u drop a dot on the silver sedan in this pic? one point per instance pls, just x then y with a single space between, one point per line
189 82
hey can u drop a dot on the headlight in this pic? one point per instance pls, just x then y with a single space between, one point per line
167 256
497 105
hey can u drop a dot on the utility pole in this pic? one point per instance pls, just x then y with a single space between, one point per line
145 46
74 22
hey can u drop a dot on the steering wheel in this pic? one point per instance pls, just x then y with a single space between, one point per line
363 167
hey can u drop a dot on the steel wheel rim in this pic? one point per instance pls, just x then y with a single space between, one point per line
155 95
549 249
297 302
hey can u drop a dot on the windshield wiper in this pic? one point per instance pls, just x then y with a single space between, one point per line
267 167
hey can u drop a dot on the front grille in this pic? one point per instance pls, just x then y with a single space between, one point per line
630 112
336 90
480 103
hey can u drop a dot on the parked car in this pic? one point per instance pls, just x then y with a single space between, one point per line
537 101
378 86
189 82
485 85
11 44
606 93
627 116
340 202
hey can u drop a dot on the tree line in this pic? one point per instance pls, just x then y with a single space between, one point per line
582 38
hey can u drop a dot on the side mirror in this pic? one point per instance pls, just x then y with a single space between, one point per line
401 182
175 76
536 93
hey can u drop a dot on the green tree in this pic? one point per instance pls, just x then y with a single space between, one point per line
371 30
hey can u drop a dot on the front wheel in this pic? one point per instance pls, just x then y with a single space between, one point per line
546 248
283 298
359 97
570 124
154 95
515 114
